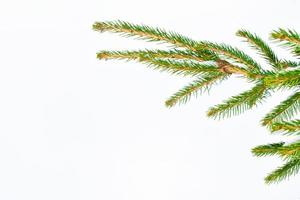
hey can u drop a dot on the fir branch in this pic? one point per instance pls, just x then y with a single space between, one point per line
200 56
285 110
195 88
264 50
288 38
146 32
238 104
290 168
233 54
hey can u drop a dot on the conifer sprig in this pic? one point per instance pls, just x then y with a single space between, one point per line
146 32
286 35
240 103
284 111
287 152
233 54
267 150
201 55
210 63
290 153
185 68
285 79
288 38
288 63
263 48
287 127
284 172
195 88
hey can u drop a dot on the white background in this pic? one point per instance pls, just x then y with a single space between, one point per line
74 127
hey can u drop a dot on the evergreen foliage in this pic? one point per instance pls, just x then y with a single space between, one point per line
210 63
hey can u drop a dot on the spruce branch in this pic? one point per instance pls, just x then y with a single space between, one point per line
287 127
290 168
263 49
284 111
286 35
267 150
287 38
211 63
288 64
185 68
201 55
147 33
238 104
234 54
195 88
286 79
290 151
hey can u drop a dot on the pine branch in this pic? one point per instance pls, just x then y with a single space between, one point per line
285 110
200 56
264 50
147 33
290 168
195 88
233 54
238 104
288 38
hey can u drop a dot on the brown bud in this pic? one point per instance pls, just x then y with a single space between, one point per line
224 66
